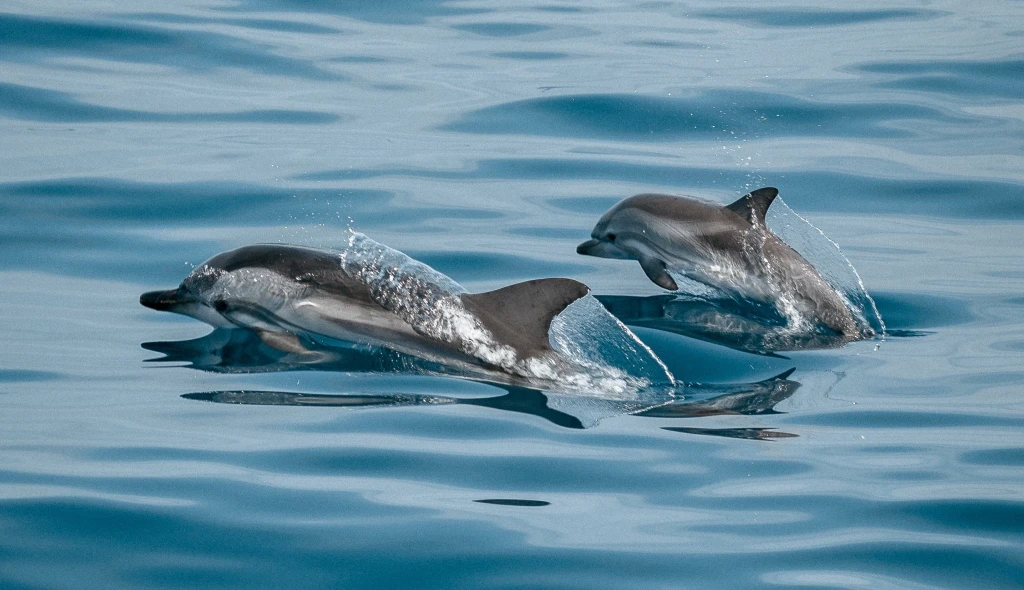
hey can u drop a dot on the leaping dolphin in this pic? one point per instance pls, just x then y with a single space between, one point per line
727 247
372 295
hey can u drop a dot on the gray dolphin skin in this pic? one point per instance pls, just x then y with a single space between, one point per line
375 296
727 247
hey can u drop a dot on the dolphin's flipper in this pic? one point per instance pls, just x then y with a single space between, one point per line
754 206
655 270
519 315
283 341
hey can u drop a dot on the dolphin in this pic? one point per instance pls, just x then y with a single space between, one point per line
371 295
729 248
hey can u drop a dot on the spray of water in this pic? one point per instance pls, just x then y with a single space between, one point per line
830 262
595 353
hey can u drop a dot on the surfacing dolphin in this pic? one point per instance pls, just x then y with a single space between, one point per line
369 294
729 248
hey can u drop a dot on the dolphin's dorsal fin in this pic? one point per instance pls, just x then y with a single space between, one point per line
754 206
519 315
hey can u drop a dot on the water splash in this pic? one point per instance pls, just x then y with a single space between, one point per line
594 353
600 344
830 262
763 310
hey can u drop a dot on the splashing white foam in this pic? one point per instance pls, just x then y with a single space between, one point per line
810 242
828 259
594 353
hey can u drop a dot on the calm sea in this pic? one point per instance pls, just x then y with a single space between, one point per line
485 138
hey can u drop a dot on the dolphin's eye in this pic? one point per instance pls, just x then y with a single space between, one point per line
611 237
220 305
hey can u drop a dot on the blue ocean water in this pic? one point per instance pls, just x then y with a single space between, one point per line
485 139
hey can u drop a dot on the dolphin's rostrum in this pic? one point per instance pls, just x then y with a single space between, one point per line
729 248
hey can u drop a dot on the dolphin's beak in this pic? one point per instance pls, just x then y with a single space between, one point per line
603 250
587 248
163 300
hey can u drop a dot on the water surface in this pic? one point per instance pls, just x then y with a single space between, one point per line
486 139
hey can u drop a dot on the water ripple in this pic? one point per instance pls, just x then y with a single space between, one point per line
956 79
903 419
1006 457
22 376
501 29
796 17
805 190
35 38
530 55
264 24
393 12
113 201
51 106
705 114
487 138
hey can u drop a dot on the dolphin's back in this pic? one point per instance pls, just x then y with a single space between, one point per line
679 215
321 269
671 206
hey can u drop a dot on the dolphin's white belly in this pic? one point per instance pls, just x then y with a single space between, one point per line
349 320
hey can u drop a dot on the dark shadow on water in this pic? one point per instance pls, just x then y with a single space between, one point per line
912 312
513 502
242 351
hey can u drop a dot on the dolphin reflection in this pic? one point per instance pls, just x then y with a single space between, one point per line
230 350
727 322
